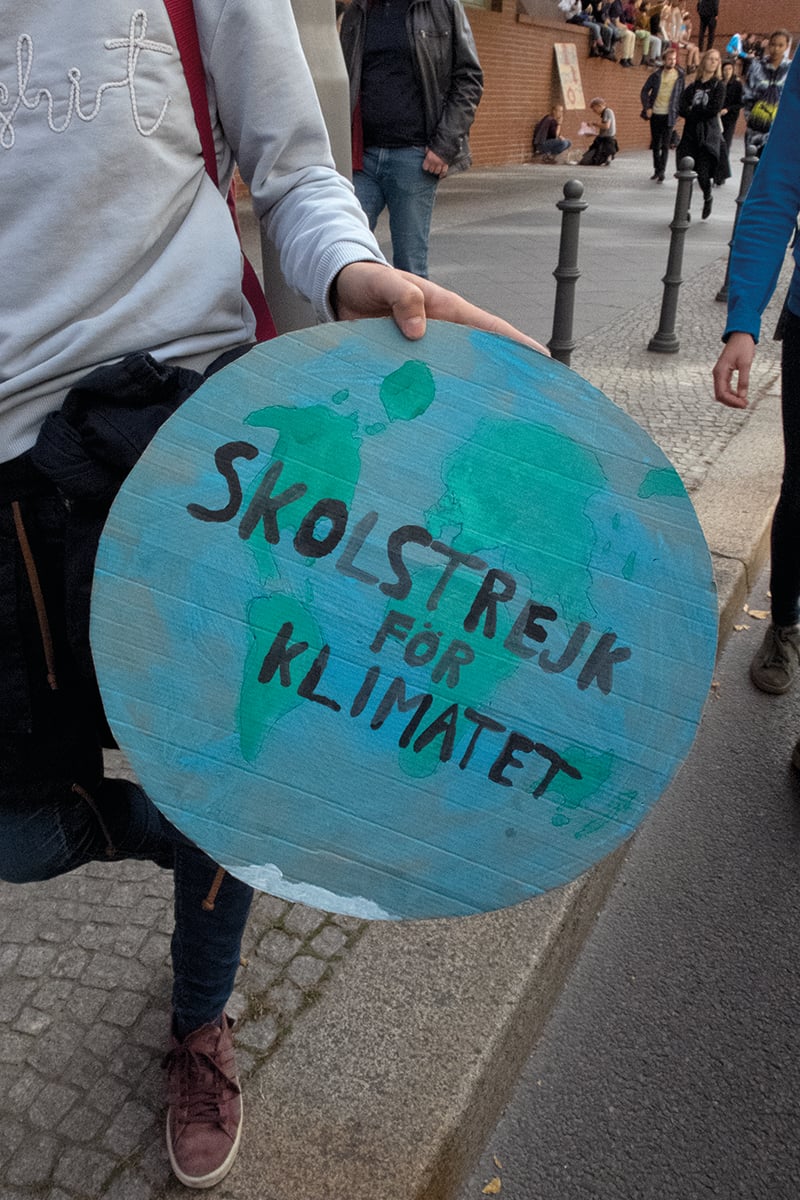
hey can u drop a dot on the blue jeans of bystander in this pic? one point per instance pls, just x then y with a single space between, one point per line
554 146
393 178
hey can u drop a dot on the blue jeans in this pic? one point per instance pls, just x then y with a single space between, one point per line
57 811
54 830
393 178
554 146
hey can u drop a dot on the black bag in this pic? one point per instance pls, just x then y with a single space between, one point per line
601 151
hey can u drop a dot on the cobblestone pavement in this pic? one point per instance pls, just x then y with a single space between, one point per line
84 960
671 395
84 1015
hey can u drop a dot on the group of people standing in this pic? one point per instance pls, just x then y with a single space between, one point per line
710 106
414 97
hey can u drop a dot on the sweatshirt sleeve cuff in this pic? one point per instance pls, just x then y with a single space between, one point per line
339 255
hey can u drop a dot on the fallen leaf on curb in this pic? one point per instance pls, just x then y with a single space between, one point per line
759 614
715 689
497 1162
739 628
492 1187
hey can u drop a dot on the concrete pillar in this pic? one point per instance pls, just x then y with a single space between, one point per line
316 21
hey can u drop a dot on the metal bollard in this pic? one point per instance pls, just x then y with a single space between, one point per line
562 343
664 340
749 164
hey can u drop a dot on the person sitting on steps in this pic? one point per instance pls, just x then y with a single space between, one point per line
651 43
615 15
580 12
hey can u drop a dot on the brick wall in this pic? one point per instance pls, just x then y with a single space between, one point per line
758 16
521 82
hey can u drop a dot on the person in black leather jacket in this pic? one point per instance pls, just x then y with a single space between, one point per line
415 83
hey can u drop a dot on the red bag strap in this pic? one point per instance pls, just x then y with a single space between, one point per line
181 15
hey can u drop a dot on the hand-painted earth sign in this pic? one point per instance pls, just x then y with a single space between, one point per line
403 629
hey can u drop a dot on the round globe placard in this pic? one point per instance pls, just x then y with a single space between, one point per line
403 629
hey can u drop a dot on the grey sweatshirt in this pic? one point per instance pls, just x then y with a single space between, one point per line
113 238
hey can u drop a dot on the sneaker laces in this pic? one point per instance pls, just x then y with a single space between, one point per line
198 1085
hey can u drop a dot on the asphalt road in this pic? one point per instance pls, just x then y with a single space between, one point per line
669 1069
496 232
495 239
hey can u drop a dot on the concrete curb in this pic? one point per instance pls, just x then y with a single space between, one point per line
735 503
390 1087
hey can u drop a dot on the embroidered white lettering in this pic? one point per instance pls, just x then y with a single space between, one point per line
133 45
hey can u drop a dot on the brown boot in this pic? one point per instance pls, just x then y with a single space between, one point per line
204 1121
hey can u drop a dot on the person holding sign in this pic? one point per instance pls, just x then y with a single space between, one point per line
767 223
128 294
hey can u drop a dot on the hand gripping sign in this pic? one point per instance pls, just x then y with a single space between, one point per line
403 629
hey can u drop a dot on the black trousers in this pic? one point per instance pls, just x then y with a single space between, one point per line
708 25
705 165
660 130
785 568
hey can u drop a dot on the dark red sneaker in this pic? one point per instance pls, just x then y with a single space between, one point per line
204 1122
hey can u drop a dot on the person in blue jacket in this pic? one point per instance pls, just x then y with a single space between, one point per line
767 223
